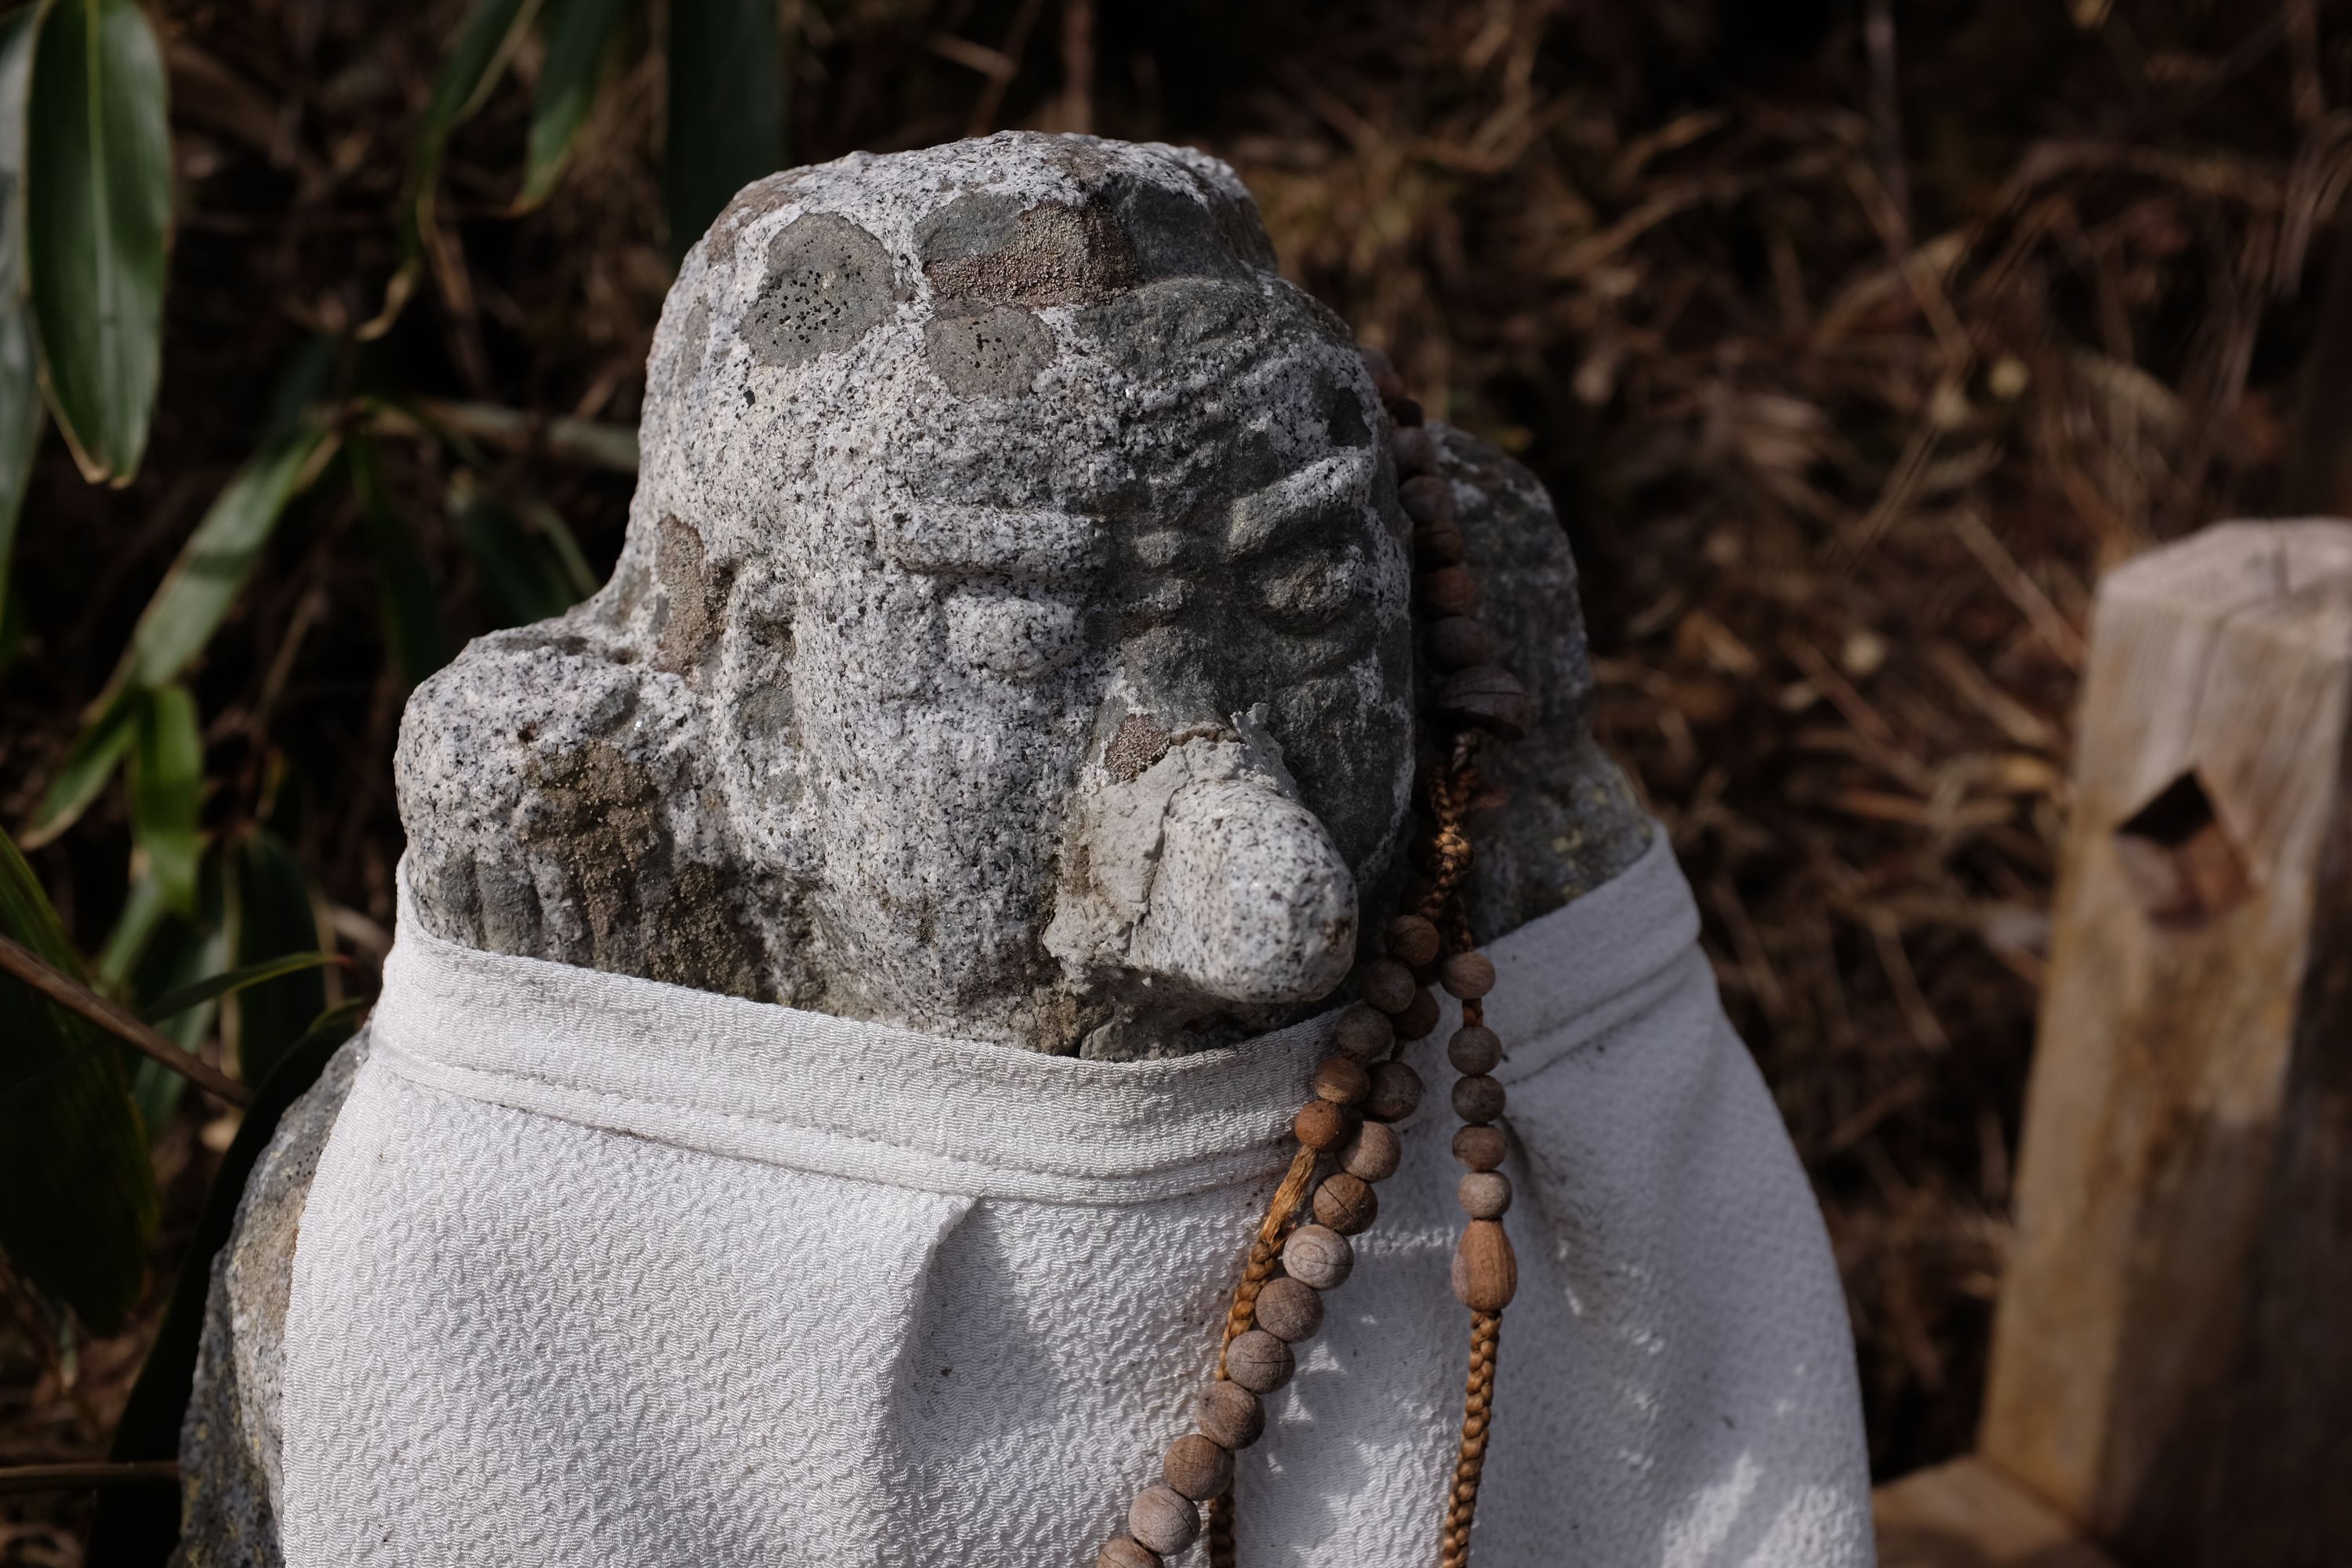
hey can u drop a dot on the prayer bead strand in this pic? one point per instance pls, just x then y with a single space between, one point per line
1345 1130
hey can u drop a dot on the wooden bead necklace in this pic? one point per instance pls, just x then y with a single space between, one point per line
1346 1129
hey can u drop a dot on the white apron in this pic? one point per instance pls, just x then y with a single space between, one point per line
603 1273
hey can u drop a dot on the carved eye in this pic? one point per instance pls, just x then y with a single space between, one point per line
1311 591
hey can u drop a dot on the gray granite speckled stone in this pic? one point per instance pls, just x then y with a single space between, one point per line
232 1480
1011 640
954 462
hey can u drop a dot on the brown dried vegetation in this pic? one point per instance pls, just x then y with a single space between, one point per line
1853 354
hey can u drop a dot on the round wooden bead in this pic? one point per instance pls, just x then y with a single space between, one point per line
1388 986
1315 1255
1474 1048
1197 1468
1125 1551
1320 1125
1468 976
1414 448
1428 500
1448 591
1484 1194
1419 1018
1289 1310
1346 1203
1486 1272
1480 1148
1396 1091
1413 941
1438 547
1229 1415
1383 371
1259 1363
1163 1519
1487 697
1372 1153
1363 1031
1340 1081
1478 1099
1403 411
1457 642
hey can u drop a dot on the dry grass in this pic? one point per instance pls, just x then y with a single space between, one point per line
1853 360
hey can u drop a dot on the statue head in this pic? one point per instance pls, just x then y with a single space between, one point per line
1010 639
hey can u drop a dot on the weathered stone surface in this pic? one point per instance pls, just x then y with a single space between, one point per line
1572 822
958 464
229 1456
1011 640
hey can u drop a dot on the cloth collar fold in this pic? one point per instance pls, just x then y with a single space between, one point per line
752 1080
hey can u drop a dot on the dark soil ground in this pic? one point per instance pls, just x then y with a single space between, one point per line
1855 341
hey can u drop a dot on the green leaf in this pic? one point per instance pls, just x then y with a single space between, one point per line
477 55
180 952
404 593
88 763
80 1208
579 37
189 606
564 546
98 209
523 578
20 386
138 1527
213 567
486 40
126 944
176 1002
305 380
726 108
167 785
272 917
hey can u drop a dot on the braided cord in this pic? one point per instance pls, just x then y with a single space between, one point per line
1470 1458
1450 799
1281 1217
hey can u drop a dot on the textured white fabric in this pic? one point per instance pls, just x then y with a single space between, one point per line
602 1271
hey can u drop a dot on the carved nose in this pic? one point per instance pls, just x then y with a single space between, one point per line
1252 902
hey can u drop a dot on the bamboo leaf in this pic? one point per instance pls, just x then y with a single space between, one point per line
220 556
188 606
273 918
726 108
477 57
176 1002
20 388
579 37
81 1207
97 210
167 781
88 763
524 578
178 953
564 546
126 944
411 609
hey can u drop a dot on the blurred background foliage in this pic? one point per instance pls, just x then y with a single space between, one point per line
1853 339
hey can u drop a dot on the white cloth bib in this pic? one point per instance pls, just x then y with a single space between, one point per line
603 1273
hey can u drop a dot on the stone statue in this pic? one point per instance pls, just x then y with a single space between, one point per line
1011 642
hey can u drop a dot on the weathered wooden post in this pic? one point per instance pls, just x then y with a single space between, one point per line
2172 1362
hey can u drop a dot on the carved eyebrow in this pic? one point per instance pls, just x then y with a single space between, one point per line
1325 494
1008 543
